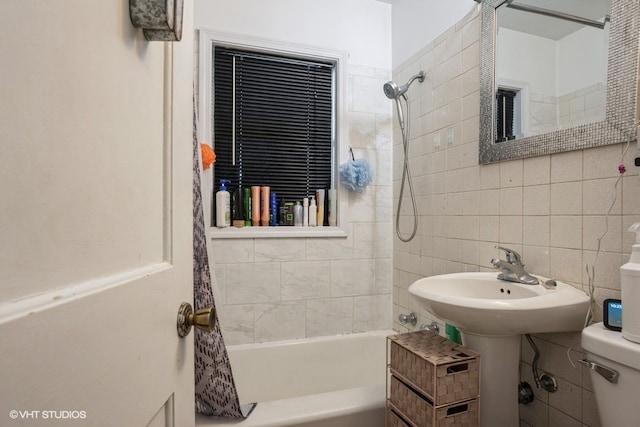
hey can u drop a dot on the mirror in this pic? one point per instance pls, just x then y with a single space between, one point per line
556 75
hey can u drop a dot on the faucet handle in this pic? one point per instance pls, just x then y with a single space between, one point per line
512 256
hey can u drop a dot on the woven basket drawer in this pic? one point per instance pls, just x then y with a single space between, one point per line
440 369
394 420
421 412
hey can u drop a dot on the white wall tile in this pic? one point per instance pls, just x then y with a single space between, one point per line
279 250
234 251
536 200
237 323
372 312
349 278
535 230
252 283
537 170
601 196
566 166
566 231
279 321
566 198
330 316
305 280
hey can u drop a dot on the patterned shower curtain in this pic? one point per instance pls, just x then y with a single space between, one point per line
215 389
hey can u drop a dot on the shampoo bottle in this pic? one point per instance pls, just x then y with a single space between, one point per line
305 212
265 212
255 205
630 290
273 216
297 214
332 207
312 212
223 205
237 213
320 207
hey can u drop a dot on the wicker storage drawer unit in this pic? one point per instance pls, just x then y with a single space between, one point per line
441 369
420 412
394 420
433 382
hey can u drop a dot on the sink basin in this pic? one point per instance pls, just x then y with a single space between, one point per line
479 303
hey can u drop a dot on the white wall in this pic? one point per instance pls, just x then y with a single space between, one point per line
582 59
362 27
530 59
272 289
418 22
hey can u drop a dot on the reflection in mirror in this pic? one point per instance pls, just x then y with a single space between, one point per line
551 65
553 75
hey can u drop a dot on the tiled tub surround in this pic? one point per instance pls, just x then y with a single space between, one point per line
551 209
276 289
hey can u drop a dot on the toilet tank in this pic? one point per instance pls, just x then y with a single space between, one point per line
617 402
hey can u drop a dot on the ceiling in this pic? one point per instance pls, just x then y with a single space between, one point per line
549 27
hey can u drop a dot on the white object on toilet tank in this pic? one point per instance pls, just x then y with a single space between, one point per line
630 287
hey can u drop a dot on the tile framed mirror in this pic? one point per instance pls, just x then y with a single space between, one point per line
557 75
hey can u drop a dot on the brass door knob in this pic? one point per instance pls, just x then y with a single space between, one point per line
203 319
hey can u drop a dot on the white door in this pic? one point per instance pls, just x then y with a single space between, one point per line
95 218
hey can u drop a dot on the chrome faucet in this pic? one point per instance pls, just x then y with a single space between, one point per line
512 269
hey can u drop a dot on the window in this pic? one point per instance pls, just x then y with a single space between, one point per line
505 112
294 160
273 122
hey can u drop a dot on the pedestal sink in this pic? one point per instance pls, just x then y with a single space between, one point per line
492 315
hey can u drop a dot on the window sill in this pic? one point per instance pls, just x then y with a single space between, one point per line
274 232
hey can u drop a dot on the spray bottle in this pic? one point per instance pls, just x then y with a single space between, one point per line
630 287
223 205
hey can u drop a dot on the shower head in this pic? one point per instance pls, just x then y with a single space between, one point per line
392 91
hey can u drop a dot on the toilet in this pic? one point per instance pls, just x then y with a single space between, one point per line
614 364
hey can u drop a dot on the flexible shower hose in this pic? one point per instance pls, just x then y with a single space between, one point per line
406 175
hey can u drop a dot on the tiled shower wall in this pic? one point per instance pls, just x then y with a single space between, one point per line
551 209
275 289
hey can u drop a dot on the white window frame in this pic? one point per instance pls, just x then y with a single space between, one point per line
207 40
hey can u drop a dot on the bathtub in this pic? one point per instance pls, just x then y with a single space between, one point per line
336 381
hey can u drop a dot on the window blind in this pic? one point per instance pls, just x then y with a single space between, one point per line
505 114
284 124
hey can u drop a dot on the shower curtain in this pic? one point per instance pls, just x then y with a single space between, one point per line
214 386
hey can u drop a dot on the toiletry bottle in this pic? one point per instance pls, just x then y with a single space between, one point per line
255 206
332 207
247 206
265 212
305 212
312 212
320 208
273 216
237 213
282 212
289 216
630 290
223 205
297 214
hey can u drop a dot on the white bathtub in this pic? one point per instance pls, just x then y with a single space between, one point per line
336 381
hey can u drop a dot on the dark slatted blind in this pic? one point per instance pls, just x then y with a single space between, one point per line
284 122
504 114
